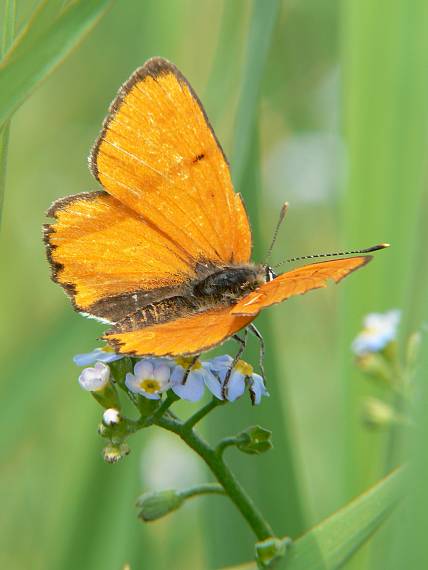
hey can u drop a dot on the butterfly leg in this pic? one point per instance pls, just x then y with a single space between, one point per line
243 344
189 368
259 337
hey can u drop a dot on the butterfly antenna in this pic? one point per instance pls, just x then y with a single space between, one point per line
366 250
281 218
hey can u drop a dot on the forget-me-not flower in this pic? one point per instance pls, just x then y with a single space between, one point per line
379 330
150 379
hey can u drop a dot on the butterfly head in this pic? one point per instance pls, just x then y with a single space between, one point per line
269 273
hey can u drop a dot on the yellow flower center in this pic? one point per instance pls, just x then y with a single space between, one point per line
107 348
150 385
244 368
186 361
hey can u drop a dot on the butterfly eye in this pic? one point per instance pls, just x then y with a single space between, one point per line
270 274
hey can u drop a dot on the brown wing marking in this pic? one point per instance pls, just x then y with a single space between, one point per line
186 335
297 282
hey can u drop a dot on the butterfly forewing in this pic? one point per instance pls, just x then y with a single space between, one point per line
158 155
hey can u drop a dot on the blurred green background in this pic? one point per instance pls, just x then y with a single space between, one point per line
318 102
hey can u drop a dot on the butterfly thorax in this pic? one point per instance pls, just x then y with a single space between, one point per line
229 284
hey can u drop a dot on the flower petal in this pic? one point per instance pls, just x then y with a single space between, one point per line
162 373
236 386
144 368
194 387
257 388
219 363
96 355
131 383
177 375
214 384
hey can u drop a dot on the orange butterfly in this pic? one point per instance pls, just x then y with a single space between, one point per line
163 252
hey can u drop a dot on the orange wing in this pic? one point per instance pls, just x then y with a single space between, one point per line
186 335
159 155
99 249
297 282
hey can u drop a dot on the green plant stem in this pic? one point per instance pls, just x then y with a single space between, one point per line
205 489
222 473
200 414
169 400
225 443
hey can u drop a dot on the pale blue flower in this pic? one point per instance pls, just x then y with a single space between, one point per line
96 378
104 354
379 330
242 375
194 387
150 379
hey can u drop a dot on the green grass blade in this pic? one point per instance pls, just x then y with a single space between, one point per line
9 15
21 75
259 39
37 24
330 544
8 31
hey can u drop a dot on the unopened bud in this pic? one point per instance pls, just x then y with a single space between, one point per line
96 380
111 417
378 414
255 440
270 550
375 365
114 453
157 504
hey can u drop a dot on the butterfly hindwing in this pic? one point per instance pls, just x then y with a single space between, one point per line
189 334
108 259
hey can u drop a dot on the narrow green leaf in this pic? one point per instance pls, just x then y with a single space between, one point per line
330 544
20 76
9 15
259 39
38 23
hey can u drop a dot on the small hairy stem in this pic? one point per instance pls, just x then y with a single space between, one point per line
205 489
222 473
200 414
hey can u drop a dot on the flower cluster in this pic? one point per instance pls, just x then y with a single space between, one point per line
186 377
380 359
378 331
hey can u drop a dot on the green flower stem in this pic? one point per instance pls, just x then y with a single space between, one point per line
204 489
200 414
221 471
227 442
169 400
